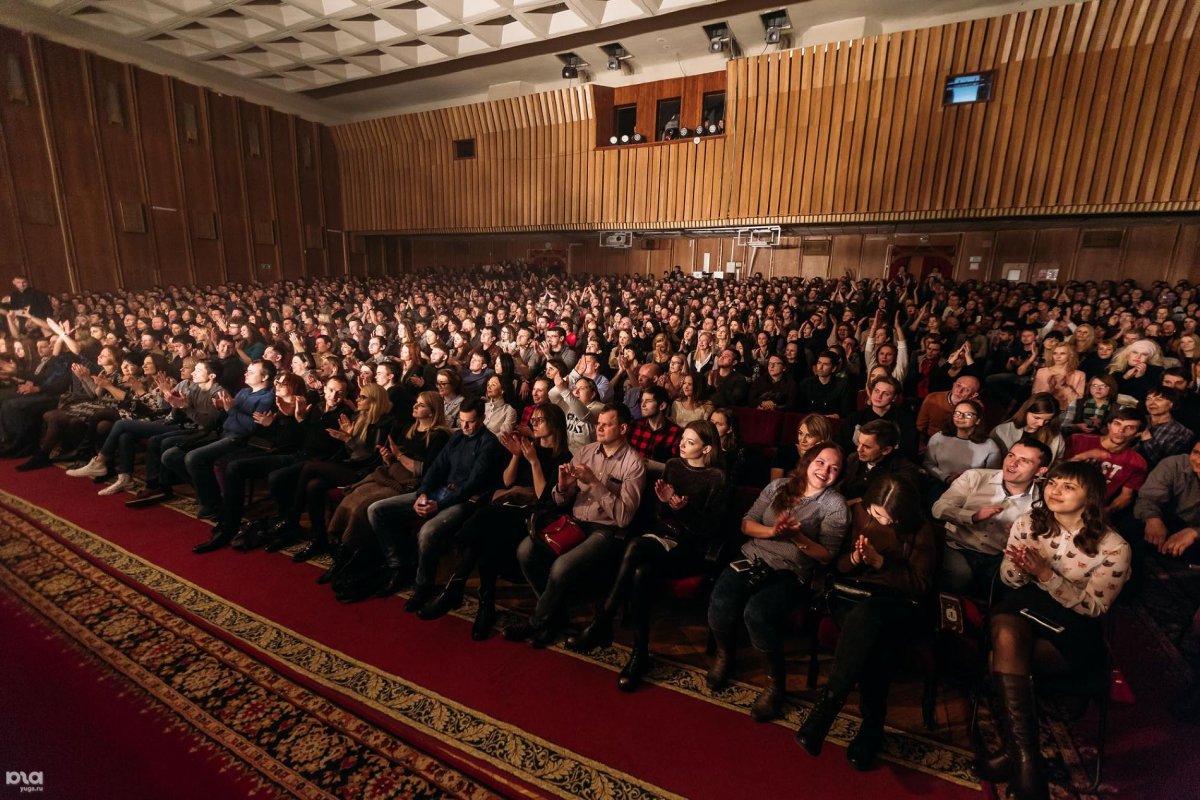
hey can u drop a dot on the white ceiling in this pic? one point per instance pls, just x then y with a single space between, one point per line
273 51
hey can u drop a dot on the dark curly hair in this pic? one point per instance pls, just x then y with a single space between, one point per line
1095 522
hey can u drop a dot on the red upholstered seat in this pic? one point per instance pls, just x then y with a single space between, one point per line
759 427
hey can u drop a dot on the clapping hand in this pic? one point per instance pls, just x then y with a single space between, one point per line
566 477
344 429
264 418
865 553
1031 562
511 442
664 491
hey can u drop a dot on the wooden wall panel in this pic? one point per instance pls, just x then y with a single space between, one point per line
114 121
76 151
26 162
1094 112
229 182
286 196
308 182
265 230
164 196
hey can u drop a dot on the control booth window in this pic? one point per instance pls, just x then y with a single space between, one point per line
713 109
625 121
666 121
974 87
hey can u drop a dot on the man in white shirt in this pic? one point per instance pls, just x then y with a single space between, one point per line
979 508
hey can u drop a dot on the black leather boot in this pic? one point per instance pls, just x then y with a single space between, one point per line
394 582
1020 760
599 633
451 598
420 596
341 557
769 703
866 744
635 668
722 664
485 617
220 537
812 733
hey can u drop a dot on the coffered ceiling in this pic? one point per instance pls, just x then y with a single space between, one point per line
336 60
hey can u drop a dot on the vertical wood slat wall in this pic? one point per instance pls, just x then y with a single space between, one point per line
1095 111
102 186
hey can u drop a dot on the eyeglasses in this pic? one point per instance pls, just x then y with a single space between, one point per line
443 383
536 420
965 414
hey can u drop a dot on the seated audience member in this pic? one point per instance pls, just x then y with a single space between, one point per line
580 403
1091 415
1187 410
355 453
449 385
1067 566
196 465
465 467
1138 367
1123 468
499 416
824 392
1164 435
979 508
728 386
489 537
813 428
934 416
1168 505
962 444
892 560
476 374
688 406
733 454
1061 377
408 451
877 454
602 486
643 378
654 436
881 351
882 404
691 504
191 405
36 393
539 392
796 524
588 366
774 389
1040 417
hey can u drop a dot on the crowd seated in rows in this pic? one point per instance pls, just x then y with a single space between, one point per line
763 441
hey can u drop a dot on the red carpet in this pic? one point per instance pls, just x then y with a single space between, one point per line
674 742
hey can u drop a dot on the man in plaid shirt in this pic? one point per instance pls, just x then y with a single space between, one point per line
655 436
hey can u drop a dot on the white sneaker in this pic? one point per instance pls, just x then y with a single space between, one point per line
122 483
93 469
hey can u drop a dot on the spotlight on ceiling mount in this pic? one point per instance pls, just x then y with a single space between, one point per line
571 65
617 56
776 27
721 40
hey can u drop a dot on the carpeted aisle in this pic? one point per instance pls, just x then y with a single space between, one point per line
552 721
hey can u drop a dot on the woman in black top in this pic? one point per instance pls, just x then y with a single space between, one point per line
492 533
691 503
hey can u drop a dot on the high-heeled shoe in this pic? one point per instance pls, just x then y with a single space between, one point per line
634 670
812 733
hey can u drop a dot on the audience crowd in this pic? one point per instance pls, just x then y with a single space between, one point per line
874 444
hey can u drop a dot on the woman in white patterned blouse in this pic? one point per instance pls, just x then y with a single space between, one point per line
1066 565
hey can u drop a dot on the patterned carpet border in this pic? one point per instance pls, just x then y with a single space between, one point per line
535 760
292 740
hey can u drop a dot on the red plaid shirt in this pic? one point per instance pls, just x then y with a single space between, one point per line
655 445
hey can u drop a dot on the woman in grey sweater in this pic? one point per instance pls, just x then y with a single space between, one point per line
797 523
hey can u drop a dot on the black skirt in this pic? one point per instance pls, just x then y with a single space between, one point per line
1081 641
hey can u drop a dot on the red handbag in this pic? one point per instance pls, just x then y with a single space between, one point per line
560 535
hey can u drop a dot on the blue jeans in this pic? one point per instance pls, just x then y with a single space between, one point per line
123 438
765 612
391 519
551 577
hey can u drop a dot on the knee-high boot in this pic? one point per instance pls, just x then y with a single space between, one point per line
866 744
769 703
1020 758
722 663
812 733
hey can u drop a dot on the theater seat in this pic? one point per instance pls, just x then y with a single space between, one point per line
759 427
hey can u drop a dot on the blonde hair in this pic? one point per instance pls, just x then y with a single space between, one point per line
1120 361
380 407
